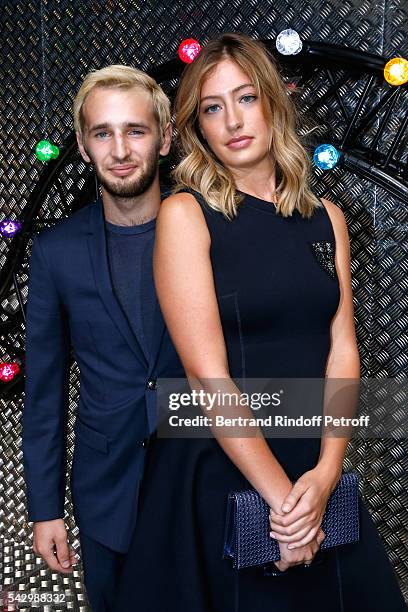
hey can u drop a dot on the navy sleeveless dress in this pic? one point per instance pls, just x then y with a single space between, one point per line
277 293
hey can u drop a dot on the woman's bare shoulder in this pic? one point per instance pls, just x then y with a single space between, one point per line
338 221
182 213
335 213
180 203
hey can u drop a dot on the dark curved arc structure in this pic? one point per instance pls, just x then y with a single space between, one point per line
377 175
334 56
19 241
339 57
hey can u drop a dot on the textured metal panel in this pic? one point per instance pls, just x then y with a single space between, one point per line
48 46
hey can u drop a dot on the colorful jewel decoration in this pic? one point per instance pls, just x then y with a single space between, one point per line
8 371
396 71
45 151
288 42
188 50
324 253
326 156
8 227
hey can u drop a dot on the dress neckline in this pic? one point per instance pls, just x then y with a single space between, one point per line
253 201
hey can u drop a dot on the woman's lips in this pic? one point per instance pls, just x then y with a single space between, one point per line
241 143
122 170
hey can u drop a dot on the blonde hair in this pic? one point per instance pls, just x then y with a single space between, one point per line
122 77
201 171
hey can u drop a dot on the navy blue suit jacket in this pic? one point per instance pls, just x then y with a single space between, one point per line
71 304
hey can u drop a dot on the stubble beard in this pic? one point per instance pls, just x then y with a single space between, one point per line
132 188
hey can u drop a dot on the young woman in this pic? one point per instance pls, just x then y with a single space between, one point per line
245 294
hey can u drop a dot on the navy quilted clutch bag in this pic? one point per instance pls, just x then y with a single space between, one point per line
247 540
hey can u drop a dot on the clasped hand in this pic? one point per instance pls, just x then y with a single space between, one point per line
302 510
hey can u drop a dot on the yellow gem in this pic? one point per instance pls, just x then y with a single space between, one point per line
396 71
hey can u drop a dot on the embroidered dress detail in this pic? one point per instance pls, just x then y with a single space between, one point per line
324 253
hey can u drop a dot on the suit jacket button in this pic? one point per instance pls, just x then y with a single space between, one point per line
152 384
145 443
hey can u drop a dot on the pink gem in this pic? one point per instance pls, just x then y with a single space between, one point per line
8 371
188 50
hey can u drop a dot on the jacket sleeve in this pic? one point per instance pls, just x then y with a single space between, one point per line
45 413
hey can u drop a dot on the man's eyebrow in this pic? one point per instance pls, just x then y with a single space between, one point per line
233 91
128 124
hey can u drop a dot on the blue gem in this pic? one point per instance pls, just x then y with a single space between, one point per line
326 156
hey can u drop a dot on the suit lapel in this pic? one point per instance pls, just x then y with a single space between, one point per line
99 258
157 337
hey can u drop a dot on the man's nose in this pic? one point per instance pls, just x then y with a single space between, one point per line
120 148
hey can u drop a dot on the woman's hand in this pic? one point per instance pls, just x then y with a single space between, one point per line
304 508
301 555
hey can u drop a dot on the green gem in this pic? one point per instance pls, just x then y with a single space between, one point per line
45 151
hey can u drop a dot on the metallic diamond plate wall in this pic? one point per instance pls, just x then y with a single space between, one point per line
47 47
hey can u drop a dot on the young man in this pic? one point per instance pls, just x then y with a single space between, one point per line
91 287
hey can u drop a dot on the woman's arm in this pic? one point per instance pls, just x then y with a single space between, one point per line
344 360
308 498
185 288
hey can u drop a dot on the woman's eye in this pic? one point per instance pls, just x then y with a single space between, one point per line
211 109
248 98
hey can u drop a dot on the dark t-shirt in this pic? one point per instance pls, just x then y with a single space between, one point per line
130 252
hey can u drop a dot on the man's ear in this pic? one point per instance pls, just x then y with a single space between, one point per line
166 139
81 148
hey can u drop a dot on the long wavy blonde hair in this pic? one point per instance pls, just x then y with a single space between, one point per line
201 171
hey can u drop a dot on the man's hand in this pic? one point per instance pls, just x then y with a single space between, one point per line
51 543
